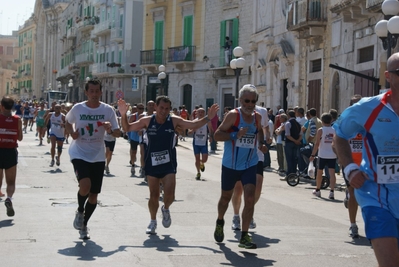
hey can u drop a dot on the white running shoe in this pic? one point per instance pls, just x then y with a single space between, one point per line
152 227
316 193
236 223
166 220
78 222
84 233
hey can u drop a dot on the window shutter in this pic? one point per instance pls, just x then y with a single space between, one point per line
188 31
234 38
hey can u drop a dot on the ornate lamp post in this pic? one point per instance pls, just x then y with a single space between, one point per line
59 86
388 28
161 77
237 65
70 86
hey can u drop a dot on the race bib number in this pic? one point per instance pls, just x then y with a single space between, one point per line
200 139
158 158
388 169
356 146
247 141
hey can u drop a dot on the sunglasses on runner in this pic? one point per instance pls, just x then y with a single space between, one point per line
394 71
252 101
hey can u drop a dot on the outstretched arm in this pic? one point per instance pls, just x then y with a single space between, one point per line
186 124
129 127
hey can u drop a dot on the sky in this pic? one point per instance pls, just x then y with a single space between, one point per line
14 13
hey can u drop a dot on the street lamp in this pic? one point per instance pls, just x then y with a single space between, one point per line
49 87
161 77
237 65
70 84
388 28
59 86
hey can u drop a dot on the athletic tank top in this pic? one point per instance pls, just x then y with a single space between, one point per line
201 136
240 154
56 128
160 152
9 131
325 147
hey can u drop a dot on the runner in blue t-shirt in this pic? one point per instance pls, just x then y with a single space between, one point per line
376 181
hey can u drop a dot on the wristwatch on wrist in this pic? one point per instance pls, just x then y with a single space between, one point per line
110 132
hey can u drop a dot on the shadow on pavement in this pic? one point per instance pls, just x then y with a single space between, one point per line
360 241
248 258
6 223
259 240
89 251
167 244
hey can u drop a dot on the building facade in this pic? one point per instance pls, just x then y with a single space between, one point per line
8 65
26 44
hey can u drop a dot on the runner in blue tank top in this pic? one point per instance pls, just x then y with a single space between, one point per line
376 181
160 154
242 133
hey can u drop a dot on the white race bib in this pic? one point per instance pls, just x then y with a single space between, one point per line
161 157
356 145
247 141
200 139
387 169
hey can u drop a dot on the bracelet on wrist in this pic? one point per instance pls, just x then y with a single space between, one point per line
207 119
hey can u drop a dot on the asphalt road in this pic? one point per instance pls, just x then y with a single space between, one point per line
294 228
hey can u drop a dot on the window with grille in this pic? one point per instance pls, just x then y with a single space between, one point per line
366 54
315 65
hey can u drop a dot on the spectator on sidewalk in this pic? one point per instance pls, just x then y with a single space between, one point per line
293 139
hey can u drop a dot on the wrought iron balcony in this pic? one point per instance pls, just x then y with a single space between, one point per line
152 57
304 14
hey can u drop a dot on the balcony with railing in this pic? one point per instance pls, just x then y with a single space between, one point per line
355 11
84 59
86 24
117 35
119 2
71 33
99 2
99 69
305 14
181 56
102 28
152 57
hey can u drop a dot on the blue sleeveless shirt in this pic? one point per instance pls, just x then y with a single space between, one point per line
240 154
160 150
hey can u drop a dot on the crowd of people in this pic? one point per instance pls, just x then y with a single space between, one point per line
361 140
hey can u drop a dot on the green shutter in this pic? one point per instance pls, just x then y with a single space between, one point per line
82 73
188 36
234 38
158 42
120 57
113 56
188 31
222 41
